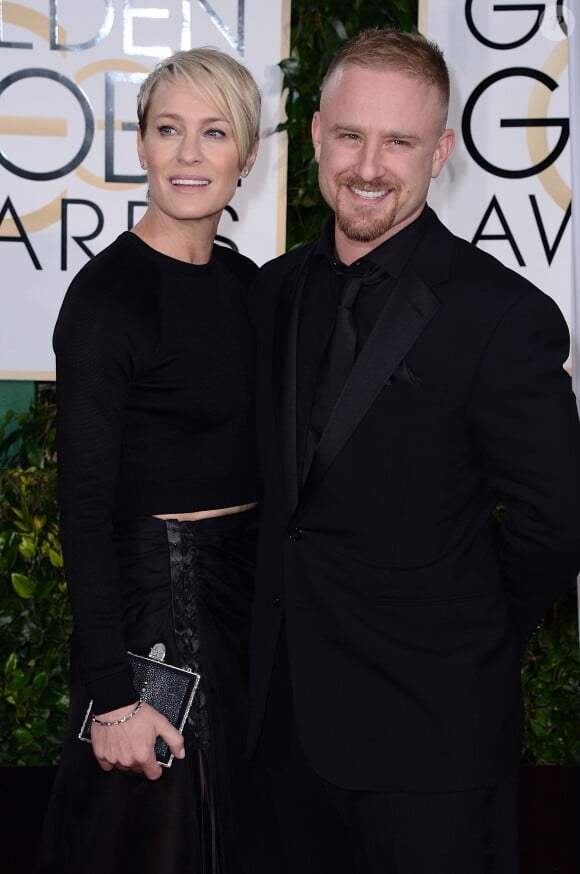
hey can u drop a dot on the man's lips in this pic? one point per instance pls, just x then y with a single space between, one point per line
366 189
369 195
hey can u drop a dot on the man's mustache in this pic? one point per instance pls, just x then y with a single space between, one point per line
350 181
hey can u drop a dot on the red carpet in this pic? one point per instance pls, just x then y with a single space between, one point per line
549 818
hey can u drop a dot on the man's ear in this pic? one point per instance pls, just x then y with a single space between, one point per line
316 135
442 151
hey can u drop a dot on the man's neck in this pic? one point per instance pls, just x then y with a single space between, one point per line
348 251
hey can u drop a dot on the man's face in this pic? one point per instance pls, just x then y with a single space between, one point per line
379 139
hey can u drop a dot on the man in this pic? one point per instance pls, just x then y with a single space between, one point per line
417 520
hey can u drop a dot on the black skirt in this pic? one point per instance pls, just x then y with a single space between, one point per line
188 585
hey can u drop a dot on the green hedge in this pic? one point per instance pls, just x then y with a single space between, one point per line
35 622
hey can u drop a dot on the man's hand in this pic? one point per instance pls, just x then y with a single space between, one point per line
130 745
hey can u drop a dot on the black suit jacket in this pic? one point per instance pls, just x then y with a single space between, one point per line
407 604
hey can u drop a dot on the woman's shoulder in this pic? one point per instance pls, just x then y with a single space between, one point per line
240 265
117 277
120 267
114 295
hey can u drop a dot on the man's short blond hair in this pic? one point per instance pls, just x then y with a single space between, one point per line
396 50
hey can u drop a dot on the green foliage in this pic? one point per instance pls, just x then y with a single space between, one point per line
551 684
35 622
29 439
318 29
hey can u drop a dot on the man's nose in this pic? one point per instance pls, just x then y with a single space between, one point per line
370 161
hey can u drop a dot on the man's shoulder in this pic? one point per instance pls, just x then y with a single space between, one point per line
465 261
272 277
284 264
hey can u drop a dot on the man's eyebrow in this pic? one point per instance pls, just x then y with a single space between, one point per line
342 127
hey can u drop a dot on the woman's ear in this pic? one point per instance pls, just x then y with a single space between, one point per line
140 150
250 160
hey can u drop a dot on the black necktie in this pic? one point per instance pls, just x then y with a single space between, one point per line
339 354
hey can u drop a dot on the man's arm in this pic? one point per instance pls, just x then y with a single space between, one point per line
525 422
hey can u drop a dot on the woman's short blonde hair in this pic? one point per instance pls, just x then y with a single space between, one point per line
216 77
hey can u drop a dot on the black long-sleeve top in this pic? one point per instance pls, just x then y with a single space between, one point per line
155 361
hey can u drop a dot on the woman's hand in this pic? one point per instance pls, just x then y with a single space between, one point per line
130 745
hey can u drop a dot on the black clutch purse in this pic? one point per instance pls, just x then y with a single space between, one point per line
168 689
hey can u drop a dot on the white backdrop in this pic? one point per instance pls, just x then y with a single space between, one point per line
507 186
574 70
69 177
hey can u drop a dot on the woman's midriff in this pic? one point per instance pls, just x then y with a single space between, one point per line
206 514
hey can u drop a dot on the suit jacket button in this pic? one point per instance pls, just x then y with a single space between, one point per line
295 534
276 600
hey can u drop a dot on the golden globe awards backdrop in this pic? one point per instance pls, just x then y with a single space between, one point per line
70 181
507 187
574 70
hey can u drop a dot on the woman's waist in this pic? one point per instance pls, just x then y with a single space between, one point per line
198 515
185 497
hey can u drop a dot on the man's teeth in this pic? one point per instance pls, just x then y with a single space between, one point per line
190 181
370 195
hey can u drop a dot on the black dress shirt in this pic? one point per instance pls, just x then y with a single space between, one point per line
319 302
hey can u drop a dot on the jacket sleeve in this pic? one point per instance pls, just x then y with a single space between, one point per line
525 422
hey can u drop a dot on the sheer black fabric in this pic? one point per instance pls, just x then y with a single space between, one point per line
189 585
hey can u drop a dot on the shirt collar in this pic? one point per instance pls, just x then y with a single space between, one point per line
391 256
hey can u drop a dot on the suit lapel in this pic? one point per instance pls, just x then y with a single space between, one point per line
408 311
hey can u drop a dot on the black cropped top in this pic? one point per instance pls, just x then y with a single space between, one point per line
155 395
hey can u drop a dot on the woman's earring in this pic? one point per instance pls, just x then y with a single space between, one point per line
142 163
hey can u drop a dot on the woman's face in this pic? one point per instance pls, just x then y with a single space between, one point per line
190 156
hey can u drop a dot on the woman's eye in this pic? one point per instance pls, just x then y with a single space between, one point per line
215 133
166 130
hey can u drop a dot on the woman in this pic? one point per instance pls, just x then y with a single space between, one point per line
158 487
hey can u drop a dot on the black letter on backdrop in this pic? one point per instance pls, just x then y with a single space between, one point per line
23 238
226 240
507 235
104 31
540 8
550 251
561 18
110 81
562 123
40 73
131 211
80 240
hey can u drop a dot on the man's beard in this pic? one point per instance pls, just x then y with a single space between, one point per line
366 223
